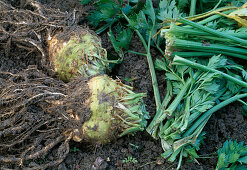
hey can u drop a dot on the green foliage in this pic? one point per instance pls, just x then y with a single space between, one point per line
182 3
217 61
75 149
142 17
232 155
106 11
135 147
128 79
168 10
129 159
122 41
179 137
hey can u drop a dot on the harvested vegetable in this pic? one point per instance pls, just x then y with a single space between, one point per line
195 91
216 34
198 85
64 48
77 51
142 18
40 114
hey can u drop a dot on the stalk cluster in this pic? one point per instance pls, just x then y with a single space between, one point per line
202 76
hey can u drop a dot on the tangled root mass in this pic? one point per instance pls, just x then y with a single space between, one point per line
36 121
28 27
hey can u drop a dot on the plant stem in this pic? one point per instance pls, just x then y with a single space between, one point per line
167 112
211 12
211 18
194 116
152 71
193 7
192 54
214 32
199 45
152 130
179 60
214 17
216 6
215 48
241 101
195 32
150 64
205 117
138 53
179 97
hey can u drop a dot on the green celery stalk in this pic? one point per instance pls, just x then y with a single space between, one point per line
193 7
180 60
152 130
169 111
215 48
213 32
198 45
176 30
205 117
192 54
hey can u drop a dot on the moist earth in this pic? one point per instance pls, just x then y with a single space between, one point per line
228 123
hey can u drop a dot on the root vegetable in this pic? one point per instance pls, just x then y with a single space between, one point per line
39 114
116 111
77 51
62 46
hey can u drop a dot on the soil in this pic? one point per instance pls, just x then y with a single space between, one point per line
227 123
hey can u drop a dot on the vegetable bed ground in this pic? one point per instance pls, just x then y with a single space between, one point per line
225 124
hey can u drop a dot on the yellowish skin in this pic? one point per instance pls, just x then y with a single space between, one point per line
115 111
100 127
78 53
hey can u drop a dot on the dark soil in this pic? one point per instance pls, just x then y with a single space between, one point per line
225 124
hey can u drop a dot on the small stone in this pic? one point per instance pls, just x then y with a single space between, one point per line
159 162
123 150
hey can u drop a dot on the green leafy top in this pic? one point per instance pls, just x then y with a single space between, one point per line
139 16
232 155
203 93
168 10
106 11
